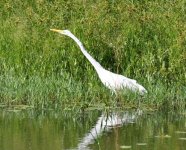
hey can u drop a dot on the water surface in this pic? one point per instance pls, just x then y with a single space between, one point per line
33 130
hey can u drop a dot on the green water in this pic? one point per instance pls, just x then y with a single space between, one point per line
33 130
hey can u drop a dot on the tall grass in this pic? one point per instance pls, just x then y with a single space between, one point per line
145 40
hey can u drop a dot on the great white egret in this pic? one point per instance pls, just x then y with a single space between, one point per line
111 80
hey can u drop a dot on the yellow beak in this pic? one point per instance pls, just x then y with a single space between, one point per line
56 30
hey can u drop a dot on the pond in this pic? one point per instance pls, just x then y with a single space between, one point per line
93 130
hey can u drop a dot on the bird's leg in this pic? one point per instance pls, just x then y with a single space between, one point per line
118 99
139 110
114 95
139 102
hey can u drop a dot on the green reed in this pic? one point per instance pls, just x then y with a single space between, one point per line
145 40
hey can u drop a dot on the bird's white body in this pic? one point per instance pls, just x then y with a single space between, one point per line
111 80
117 82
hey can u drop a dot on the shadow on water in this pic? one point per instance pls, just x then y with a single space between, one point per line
91 130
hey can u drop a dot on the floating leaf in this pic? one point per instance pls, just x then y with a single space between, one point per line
163 136
180 132
125 147
182 138
141 144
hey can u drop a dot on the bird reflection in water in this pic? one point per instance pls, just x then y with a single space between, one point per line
105 123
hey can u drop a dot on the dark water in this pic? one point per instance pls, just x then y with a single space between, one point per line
33 130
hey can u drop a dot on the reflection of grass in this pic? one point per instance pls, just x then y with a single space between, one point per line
145 41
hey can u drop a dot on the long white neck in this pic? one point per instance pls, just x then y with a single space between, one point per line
87 55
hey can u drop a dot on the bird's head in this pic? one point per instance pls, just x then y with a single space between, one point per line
65 32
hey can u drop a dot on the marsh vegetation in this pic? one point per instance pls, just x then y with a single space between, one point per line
144 40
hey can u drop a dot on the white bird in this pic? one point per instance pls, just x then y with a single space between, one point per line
113 81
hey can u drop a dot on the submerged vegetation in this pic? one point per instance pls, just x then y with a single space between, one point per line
143 40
